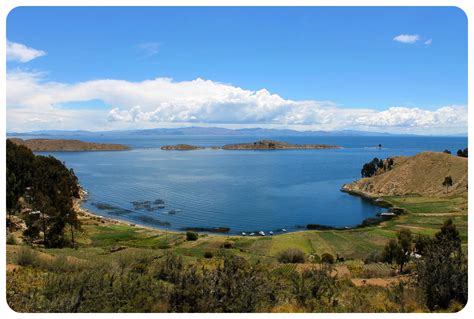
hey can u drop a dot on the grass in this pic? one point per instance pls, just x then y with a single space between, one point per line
423 215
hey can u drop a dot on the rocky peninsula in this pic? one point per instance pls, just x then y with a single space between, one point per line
60 145
419 175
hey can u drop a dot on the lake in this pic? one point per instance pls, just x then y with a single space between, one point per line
242 190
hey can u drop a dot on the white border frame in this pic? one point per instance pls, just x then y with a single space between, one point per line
7 5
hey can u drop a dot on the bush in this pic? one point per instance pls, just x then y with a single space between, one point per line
208 254
373 257
327 258
191 236
292 255
11 240
26 257
228 245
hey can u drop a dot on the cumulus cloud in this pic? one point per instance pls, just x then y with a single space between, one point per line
18 52
429 41
407 38
163 102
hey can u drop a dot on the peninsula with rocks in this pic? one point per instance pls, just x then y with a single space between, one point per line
65 145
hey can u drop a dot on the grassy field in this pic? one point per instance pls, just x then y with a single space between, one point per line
103 240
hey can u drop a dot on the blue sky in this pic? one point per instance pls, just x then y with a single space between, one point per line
313 64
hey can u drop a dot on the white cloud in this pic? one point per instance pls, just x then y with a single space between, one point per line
18 52
407 38
429 41
150 48
34 103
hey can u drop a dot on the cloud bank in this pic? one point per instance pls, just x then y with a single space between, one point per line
17 52
34 103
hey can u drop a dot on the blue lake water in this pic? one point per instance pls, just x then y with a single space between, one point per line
242 190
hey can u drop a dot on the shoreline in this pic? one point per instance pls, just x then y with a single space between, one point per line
366 223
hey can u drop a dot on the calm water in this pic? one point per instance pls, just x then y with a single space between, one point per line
242 190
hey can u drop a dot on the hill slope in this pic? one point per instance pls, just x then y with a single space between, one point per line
422 174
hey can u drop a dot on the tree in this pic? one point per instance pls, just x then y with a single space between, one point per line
48 189
462 153
447 151
404 237
369 169
442 269
399 250
448 181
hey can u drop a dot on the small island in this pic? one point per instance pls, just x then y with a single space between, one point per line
275 145
181 147
258 145
60 145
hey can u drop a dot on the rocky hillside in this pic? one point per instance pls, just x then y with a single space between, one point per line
274 145
422 174
53 145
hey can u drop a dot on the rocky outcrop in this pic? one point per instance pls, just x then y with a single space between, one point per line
181 147
422 174
58 145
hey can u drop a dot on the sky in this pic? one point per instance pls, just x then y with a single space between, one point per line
384 69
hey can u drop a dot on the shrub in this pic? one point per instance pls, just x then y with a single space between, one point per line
327 258
228 245
208 254
373 257
191 236
26 257
292 256
11 240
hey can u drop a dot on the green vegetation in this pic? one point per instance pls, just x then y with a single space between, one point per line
291 256
115 267
448 181
43 188
462 153
327 258
369 169
191 236
163 280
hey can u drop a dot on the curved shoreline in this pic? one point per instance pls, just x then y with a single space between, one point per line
368 222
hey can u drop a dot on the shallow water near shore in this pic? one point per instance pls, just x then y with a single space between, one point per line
242 190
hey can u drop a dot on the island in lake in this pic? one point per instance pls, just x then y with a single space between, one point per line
61 145
258 145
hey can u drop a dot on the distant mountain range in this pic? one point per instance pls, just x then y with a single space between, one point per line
217 131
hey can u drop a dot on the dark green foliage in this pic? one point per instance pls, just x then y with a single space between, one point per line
327 258
228 245
399 250
369 169
48 188
462 153
208 254
191 236
447 151
421 244
442 270
291 255
448 181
